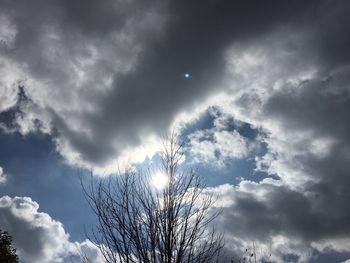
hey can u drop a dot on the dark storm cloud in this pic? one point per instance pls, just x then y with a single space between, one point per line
318 105
196 38
306 121
75 21
331 27
307 126
282 212
288 213
146 99
321 108
303 220
51 39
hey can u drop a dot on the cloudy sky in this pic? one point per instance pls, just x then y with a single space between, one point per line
264 113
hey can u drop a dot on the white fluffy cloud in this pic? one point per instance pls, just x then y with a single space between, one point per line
38 237
218 146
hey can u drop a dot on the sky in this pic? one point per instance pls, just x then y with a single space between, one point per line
258 91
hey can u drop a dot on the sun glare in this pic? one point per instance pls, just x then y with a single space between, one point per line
160 180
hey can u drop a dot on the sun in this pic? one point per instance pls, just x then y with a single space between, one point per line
160 180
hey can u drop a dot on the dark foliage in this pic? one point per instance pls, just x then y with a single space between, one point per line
7 251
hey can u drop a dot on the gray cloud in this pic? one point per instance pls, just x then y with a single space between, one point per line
285 212
104 76
319 109
271 214
320 105
296 90
112 70
150 97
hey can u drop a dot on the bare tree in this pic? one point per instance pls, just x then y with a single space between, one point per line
139 223
252 255
84 258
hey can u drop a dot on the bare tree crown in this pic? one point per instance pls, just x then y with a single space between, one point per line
140 223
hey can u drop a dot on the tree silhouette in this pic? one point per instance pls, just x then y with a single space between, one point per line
138 222
7 251
252 255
